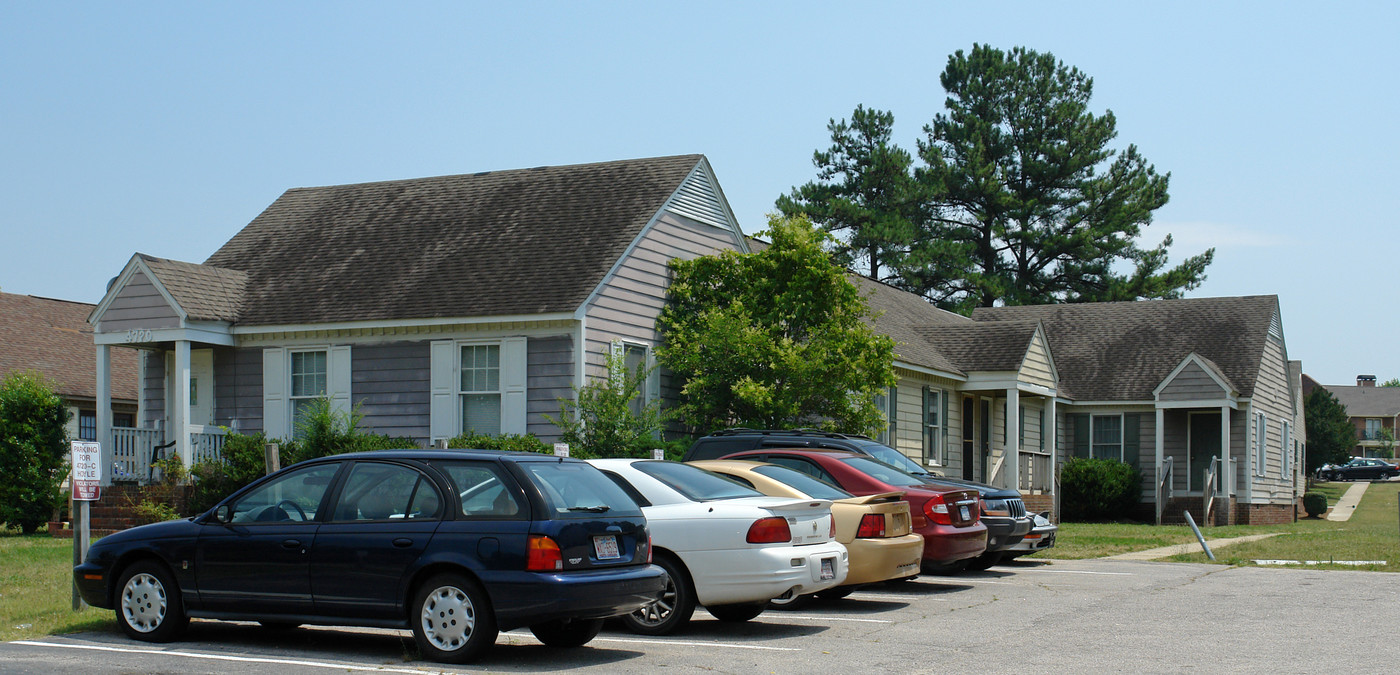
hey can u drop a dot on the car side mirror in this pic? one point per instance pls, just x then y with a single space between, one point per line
223 514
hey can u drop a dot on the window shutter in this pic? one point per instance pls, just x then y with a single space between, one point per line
1081 434
944 429
442 388
338 378
513 374
923 428
893 415
275 407
1130 439
1042 428
653 384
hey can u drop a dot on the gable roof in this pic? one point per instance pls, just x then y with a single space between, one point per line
905 318
1367 401
525 241
53 337
992 346
204 292
1120 351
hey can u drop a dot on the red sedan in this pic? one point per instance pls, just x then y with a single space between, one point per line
946 515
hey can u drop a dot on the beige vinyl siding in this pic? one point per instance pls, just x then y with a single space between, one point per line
909 427
1193 383
139 304
1035 367
1273 397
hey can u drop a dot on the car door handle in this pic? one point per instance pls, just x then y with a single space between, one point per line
290 543
403 542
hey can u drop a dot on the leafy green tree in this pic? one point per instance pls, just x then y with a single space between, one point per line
865 194
776 338
1392 382
33 450
608 420
1387 447
1331 435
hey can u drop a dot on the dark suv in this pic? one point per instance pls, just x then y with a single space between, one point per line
1003 512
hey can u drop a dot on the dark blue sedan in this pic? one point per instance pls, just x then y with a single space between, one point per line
455 545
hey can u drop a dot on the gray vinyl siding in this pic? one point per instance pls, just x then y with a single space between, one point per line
138 305
389 385
238 402
549 377
1035 367
1193 383
153 390
1272 396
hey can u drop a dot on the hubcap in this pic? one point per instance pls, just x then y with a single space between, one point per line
660 610
448 618
144 603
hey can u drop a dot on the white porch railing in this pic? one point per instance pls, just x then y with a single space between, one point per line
996 470
1209 489
1165 487
1232 477
207 442
1035 472
131 452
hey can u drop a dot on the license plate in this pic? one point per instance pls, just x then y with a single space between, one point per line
965 515
606 547
828 568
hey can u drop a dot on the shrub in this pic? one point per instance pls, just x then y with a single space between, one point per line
33 450
603 422
513 442
1315 503
1098 489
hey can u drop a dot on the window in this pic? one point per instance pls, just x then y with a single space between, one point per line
124 420
87 425
1261 427
1107 437
1021 420
1373 430
308 381
634 362
483 492
694 483
377 491
1287 447
480 389
933 426
291 498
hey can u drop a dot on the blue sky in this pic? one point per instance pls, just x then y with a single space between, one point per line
165 127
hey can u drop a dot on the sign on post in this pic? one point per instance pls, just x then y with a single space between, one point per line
658 454
87 470
561 449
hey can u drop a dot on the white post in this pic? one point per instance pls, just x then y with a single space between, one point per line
1012 461
1052 440
1160 438
1225 457
104 410
180 420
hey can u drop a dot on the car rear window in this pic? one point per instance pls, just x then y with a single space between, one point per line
694 483
882 471
801 481
578 488
483 492
892 457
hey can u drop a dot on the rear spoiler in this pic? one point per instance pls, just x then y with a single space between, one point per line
881 498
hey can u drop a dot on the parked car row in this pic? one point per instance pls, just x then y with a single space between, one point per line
458 545
1359 468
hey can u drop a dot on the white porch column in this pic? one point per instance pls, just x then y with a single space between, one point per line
104 410
1012 462
1225 452
1160 438
180 405
1052 434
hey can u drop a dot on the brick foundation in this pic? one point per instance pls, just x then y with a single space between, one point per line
1038 503
1267 514
116 510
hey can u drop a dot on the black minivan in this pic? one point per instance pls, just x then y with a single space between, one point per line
453 544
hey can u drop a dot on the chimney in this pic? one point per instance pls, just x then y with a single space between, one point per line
1365 380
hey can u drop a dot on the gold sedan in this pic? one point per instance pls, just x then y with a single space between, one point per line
875 528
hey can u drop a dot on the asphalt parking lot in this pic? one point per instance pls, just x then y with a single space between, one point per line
1032 617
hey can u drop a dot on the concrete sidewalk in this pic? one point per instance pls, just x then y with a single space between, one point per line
1193 547
1346 505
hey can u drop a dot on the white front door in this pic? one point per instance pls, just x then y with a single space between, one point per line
201 386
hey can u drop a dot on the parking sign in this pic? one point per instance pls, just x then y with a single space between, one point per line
87 470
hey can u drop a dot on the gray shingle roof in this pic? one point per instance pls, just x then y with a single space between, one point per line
1367 401
54 338
205 292
903 316
1120 351
525 241
991 346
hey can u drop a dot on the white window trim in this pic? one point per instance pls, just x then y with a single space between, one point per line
1260 445
1286 447
445 385
278 420
459 394
938 454
651 387
1093 417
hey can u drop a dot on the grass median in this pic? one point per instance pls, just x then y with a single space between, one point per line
36 589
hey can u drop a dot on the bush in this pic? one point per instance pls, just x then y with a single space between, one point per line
33 450
512 442
1315 503
603 423
1093 490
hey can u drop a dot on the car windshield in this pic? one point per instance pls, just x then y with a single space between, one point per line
882 472
800 481
893 458
578 488
694 483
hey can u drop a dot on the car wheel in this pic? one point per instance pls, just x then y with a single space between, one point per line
790 600
452 621
149 605
836 593
984 562
670 611
737 613
567 632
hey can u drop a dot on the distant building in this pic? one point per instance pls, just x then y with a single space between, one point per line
1372 410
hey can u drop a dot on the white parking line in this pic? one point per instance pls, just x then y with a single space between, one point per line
1107 574
883 596
826 618
686 643
224 657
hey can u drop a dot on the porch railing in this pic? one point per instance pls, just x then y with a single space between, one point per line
1232 479
1035 473
131 452
207 442
996 469
1165 487
1208 489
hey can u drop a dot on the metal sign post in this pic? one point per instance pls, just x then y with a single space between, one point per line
86 484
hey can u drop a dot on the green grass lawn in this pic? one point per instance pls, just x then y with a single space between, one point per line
1373 533
36 582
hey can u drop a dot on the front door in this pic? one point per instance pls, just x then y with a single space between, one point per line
201 386
969 452
1203 444
986 438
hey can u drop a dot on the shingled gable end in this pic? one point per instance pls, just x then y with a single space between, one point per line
432 306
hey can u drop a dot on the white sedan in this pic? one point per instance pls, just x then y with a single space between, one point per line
725 546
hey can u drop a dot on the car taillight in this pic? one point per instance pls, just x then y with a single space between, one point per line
937 510
833 526
543 555
648 547
871 525
771 530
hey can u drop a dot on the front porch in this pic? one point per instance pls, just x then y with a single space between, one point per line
134 451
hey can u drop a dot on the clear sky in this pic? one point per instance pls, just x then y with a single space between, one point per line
166 127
